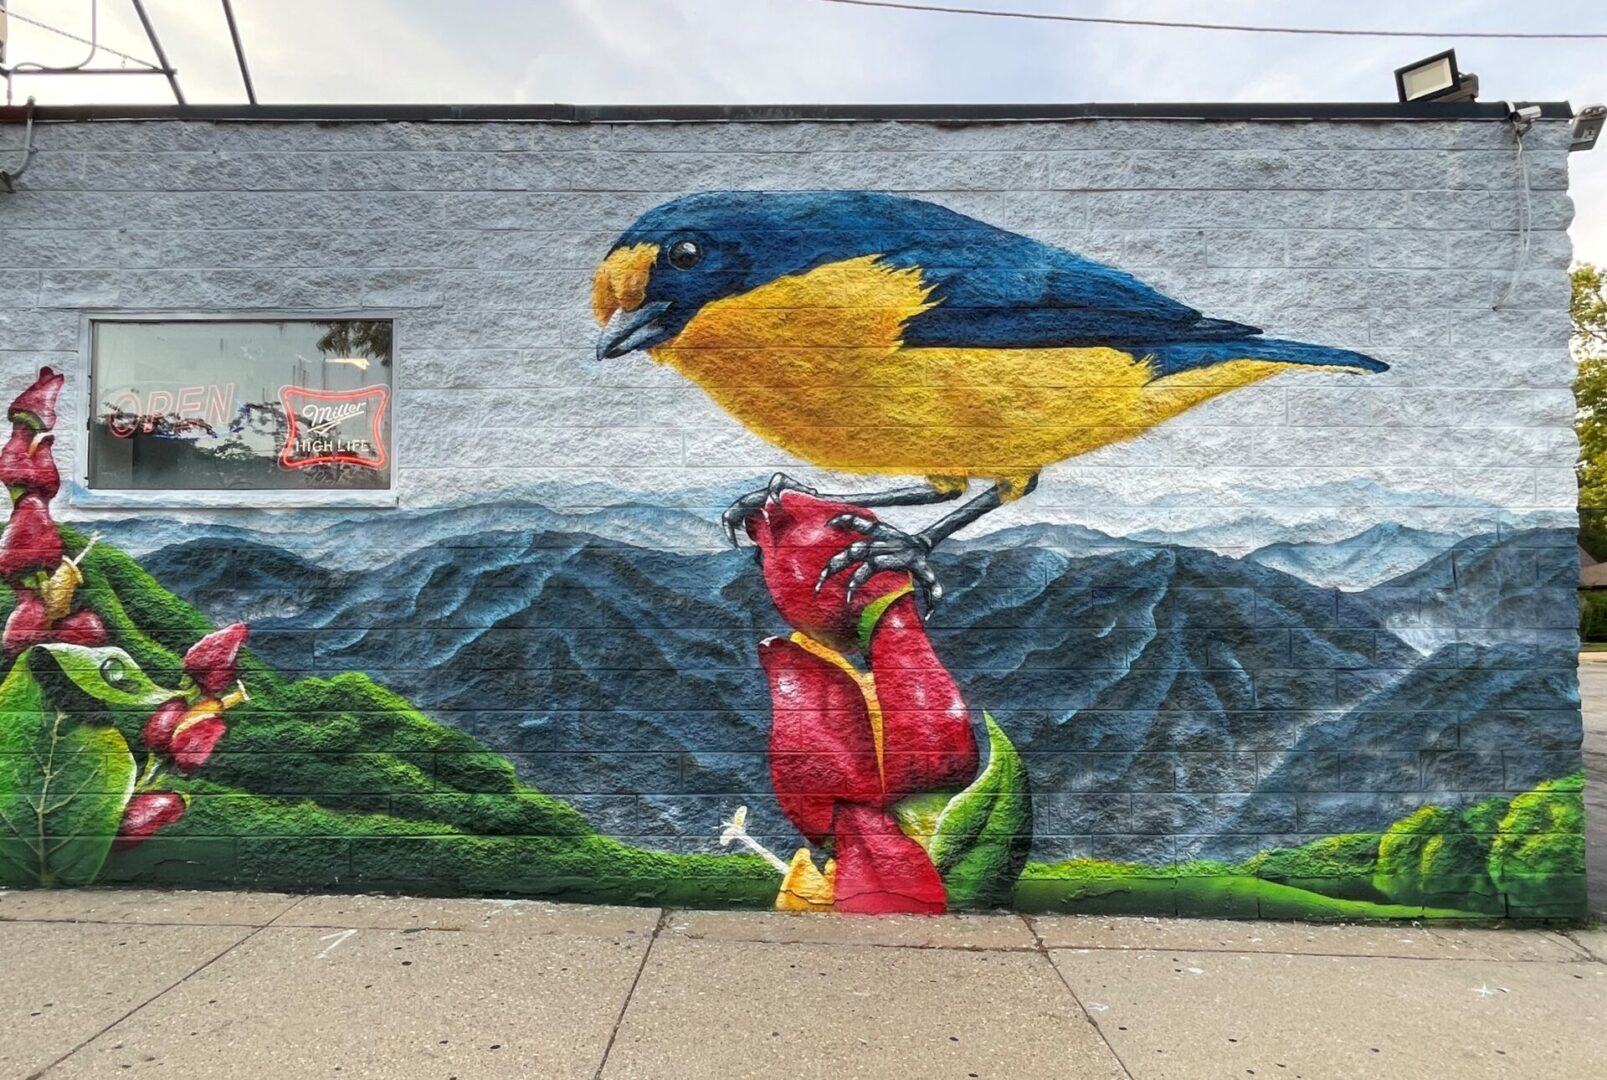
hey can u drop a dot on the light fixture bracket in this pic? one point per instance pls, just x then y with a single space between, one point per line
1587 127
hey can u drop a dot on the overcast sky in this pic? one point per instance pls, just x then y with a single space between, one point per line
736 51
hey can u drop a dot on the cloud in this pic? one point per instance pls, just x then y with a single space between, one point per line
709 51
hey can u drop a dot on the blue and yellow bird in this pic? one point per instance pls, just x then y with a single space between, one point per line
872 333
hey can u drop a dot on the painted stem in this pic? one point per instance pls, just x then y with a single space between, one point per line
765 853
76 558
736 829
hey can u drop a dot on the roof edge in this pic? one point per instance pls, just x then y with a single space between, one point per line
704 114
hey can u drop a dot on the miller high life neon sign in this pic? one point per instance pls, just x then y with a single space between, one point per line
342 427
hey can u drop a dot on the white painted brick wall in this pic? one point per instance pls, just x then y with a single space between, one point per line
1392 238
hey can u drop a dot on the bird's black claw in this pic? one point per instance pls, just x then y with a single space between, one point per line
856 522
885 548
737 514
782 482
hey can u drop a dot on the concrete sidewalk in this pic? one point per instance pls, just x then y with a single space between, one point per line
187 984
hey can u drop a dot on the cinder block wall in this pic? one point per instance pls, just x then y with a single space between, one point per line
1264 722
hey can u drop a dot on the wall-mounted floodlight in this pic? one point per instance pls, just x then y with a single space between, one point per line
1436 78
1587 127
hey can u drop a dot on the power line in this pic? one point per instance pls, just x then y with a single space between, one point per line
82 40
1041 16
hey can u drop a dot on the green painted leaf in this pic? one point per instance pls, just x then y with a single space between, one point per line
63 787
982 836
875 610
917 814
106 674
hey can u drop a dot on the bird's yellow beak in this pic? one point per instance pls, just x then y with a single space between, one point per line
621 281
618 299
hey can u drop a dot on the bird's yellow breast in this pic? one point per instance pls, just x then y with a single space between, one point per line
814 363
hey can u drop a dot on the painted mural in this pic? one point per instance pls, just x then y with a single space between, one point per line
845 714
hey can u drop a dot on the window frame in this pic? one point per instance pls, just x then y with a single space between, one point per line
81 495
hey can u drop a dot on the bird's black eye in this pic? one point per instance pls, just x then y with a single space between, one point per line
684 254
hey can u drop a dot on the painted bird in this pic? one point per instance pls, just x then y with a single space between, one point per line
872 333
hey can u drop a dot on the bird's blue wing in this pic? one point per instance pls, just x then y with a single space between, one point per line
991 288
999 289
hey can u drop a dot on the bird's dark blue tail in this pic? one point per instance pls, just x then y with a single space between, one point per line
1172 358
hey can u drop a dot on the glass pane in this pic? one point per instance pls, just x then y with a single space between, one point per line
205 406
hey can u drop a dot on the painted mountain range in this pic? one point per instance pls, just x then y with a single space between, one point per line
1170 702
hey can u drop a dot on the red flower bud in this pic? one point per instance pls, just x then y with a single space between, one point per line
27 624
145 813
210 661
158 732
30 541
36 406
881 871
80 628
29 466
927 741
822 750
795 543
193 739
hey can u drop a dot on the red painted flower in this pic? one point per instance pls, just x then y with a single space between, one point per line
145 813
929 743
841 753
795 542
823 746
80 628
187 733
36 406
30 541
158 731
845 743
211 661
880 870
27 464
194 738
27 625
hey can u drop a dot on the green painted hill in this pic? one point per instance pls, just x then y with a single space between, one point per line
1522 857
340 783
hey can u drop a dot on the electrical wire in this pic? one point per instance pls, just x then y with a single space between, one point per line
94 34
1043 16
1525 217
28 151
91 42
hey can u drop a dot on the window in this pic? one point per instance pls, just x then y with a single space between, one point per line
300 408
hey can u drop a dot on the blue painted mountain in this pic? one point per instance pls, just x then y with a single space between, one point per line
1488 589
1369 558
1148 687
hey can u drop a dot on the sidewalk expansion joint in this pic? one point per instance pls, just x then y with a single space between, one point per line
171 986
1088 1017
915 946
624 1007
1589 955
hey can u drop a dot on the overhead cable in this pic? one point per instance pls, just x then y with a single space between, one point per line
1044 16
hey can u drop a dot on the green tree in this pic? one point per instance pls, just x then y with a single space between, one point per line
1588 310
1538 857
1438 857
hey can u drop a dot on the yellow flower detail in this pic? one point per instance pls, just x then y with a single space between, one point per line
806 888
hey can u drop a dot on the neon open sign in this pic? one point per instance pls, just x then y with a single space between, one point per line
129 414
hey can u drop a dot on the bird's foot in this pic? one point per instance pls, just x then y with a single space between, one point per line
737 514
884 548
